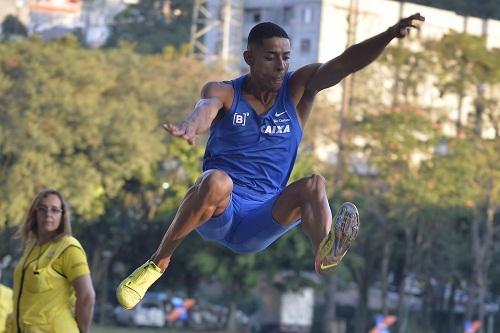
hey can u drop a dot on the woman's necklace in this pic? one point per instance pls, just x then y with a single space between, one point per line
41 250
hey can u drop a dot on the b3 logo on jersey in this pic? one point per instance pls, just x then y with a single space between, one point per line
240 119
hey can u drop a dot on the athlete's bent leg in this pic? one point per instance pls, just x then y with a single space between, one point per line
307 199
209 196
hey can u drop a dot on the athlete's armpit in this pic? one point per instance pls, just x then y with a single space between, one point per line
300 90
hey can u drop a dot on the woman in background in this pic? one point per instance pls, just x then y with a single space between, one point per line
53 290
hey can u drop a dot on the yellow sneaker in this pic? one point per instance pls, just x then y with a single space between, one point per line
335 245
132 289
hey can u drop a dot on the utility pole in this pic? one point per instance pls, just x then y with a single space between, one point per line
339 178
203 21
347 87
397 74
216 30
226 30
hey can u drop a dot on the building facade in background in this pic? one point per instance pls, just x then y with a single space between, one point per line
56 18
318 28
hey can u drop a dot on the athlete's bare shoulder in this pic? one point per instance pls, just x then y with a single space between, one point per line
301 77
299 80
222 90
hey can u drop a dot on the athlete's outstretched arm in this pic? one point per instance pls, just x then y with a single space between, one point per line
356 57
197 122
214 96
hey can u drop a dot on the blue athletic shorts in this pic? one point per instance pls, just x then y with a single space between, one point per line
246 225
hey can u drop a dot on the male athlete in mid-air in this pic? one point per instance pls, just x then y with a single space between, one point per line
242 199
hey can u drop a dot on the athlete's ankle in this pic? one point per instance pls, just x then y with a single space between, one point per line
161 263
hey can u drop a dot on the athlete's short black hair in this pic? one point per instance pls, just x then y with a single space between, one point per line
265 30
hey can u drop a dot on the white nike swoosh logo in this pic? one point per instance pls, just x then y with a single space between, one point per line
279 114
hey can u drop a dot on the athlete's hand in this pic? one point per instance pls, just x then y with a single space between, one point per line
404 26
186 130
197 122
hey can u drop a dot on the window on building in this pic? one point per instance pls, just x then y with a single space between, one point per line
305 45
288 15
253 15
307 15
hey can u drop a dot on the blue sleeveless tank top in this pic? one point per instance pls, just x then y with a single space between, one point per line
257 151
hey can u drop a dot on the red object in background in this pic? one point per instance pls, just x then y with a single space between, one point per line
474 327
384 324
57 7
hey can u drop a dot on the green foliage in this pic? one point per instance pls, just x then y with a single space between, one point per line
237 273
396 140
182 168
410 67
463 60
306 164
85 121
411 199
61 130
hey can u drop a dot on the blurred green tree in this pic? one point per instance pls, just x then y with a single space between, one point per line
464 66
85 121
62 127
393 143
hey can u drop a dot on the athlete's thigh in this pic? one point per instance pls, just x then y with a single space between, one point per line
287 208
214 188
218 226
255 229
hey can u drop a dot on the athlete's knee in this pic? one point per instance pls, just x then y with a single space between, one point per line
315 186
216 184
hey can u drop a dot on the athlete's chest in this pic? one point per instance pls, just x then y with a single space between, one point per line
277 121
261 107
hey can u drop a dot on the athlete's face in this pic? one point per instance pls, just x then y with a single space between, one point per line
269 62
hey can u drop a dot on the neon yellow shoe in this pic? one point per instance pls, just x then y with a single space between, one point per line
335 245
132 289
